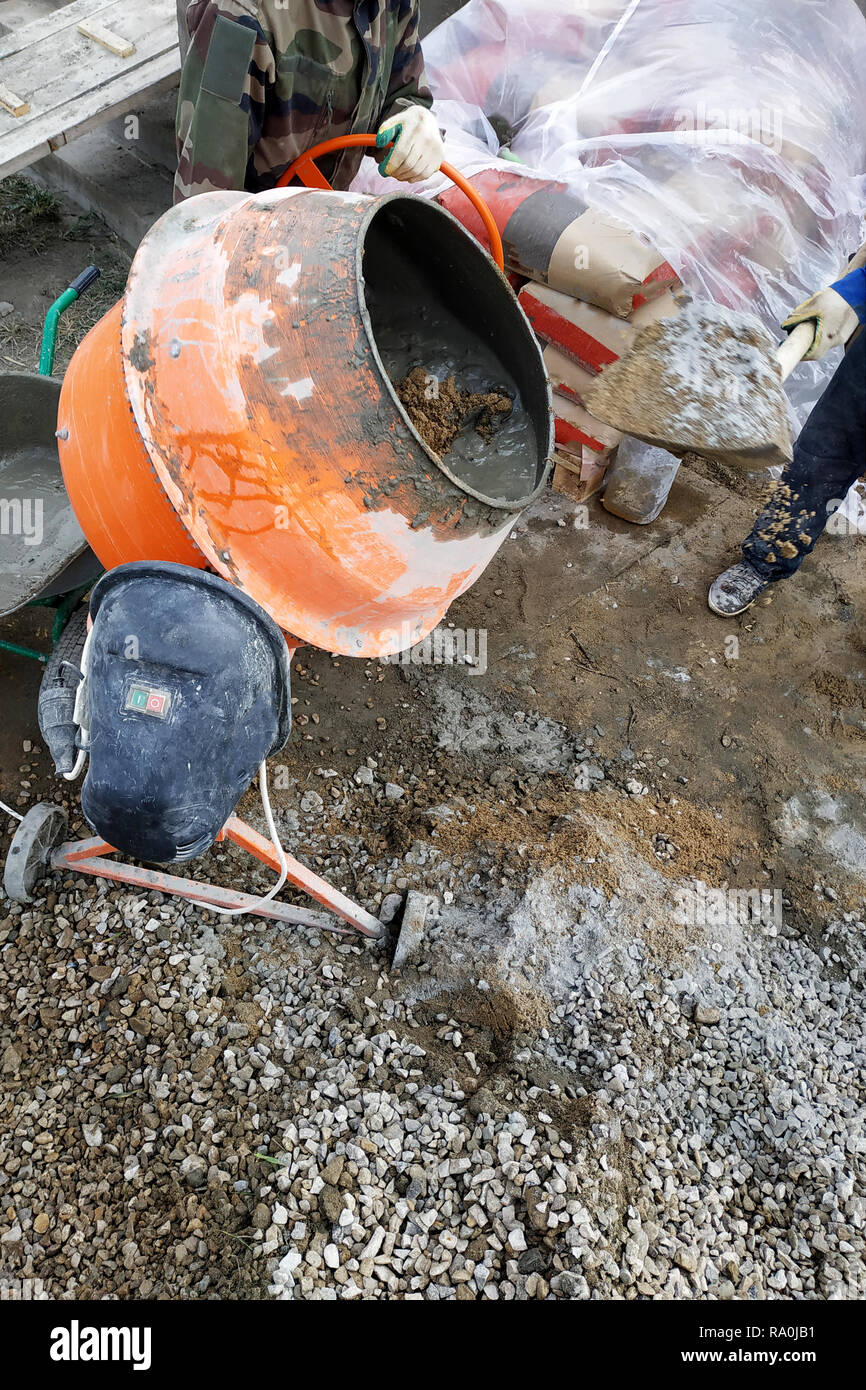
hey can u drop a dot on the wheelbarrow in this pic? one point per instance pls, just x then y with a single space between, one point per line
236 415
45 559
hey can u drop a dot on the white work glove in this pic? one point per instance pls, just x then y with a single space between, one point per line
418 149
834 321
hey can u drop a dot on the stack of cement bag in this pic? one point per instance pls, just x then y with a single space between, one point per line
586 283
696 123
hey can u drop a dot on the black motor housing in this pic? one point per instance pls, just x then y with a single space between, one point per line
187 691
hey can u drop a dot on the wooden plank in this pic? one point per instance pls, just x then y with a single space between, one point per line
94 108
570 462
107 38
566 481
67 16
91 84
159 74
75 64
12 102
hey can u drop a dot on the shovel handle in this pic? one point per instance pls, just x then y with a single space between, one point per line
789 353
795 347
304 168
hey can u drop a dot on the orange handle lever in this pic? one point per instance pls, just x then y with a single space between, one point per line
304 168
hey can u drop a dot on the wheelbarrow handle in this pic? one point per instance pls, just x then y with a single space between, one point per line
87 278
81 283
304 168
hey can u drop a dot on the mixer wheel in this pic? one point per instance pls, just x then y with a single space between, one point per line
40 832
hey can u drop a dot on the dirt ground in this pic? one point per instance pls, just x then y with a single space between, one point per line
748 734
44 245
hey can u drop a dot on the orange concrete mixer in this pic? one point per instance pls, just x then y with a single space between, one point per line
237 410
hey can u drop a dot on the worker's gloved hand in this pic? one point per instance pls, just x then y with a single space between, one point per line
418 149
834 320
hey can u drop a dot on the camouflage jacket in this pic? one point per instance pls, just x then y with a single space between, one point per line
262 83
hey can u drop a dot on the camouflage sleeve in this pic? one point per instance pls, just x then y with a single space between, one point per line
408 85
226 73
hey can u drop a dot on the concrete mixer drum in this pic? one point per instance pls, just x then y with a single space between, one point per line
252 423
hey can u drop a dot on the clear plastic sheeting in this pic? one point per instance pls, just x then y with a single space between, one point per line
731 135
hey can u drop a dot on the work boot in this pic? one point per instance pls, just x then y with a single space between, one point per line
736 590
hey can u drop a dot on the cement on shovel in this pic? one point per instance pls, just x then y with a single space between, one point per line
705 382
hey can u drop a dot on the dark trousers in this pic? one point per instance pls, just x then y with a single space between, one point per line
829 455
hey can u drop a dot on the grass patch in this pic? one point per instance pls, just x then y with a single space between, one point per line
38 226
29 215
21 340
19 345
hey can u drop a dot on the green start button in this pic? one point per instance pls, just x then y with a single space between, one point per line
146 699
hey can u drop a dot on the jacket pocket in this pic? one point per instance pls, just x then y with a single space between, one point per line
217 147
304 89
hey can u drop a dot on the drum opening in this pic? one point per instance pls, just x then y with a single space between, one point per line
456 352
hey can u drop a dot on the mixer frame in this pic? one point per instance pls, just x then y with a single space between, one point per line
38 847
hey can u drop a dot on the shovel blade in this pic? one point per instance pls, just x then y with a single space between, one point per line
705 382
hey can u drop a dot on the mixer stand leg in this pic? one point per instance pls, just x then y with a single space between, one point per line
243 835
91 857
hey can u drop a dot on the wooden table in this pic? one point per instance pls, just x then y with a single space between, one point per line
62 82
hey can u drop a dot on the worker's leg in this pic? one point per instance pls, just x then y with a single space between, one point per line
829 456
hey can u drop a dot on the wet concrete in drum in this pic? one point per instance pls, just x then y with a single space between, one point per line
441 411
430 355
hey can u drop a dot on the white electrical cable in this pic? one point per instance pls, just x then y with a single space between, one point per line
78 712
275 841
76 715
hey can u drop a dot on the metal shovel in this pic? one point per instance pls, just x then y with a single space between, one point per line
707 381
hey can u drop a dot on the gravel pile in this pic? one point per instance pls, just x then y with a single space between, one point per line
561 1095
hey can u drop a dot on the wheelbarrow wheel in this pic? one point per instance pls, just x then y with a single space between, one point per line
38 835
